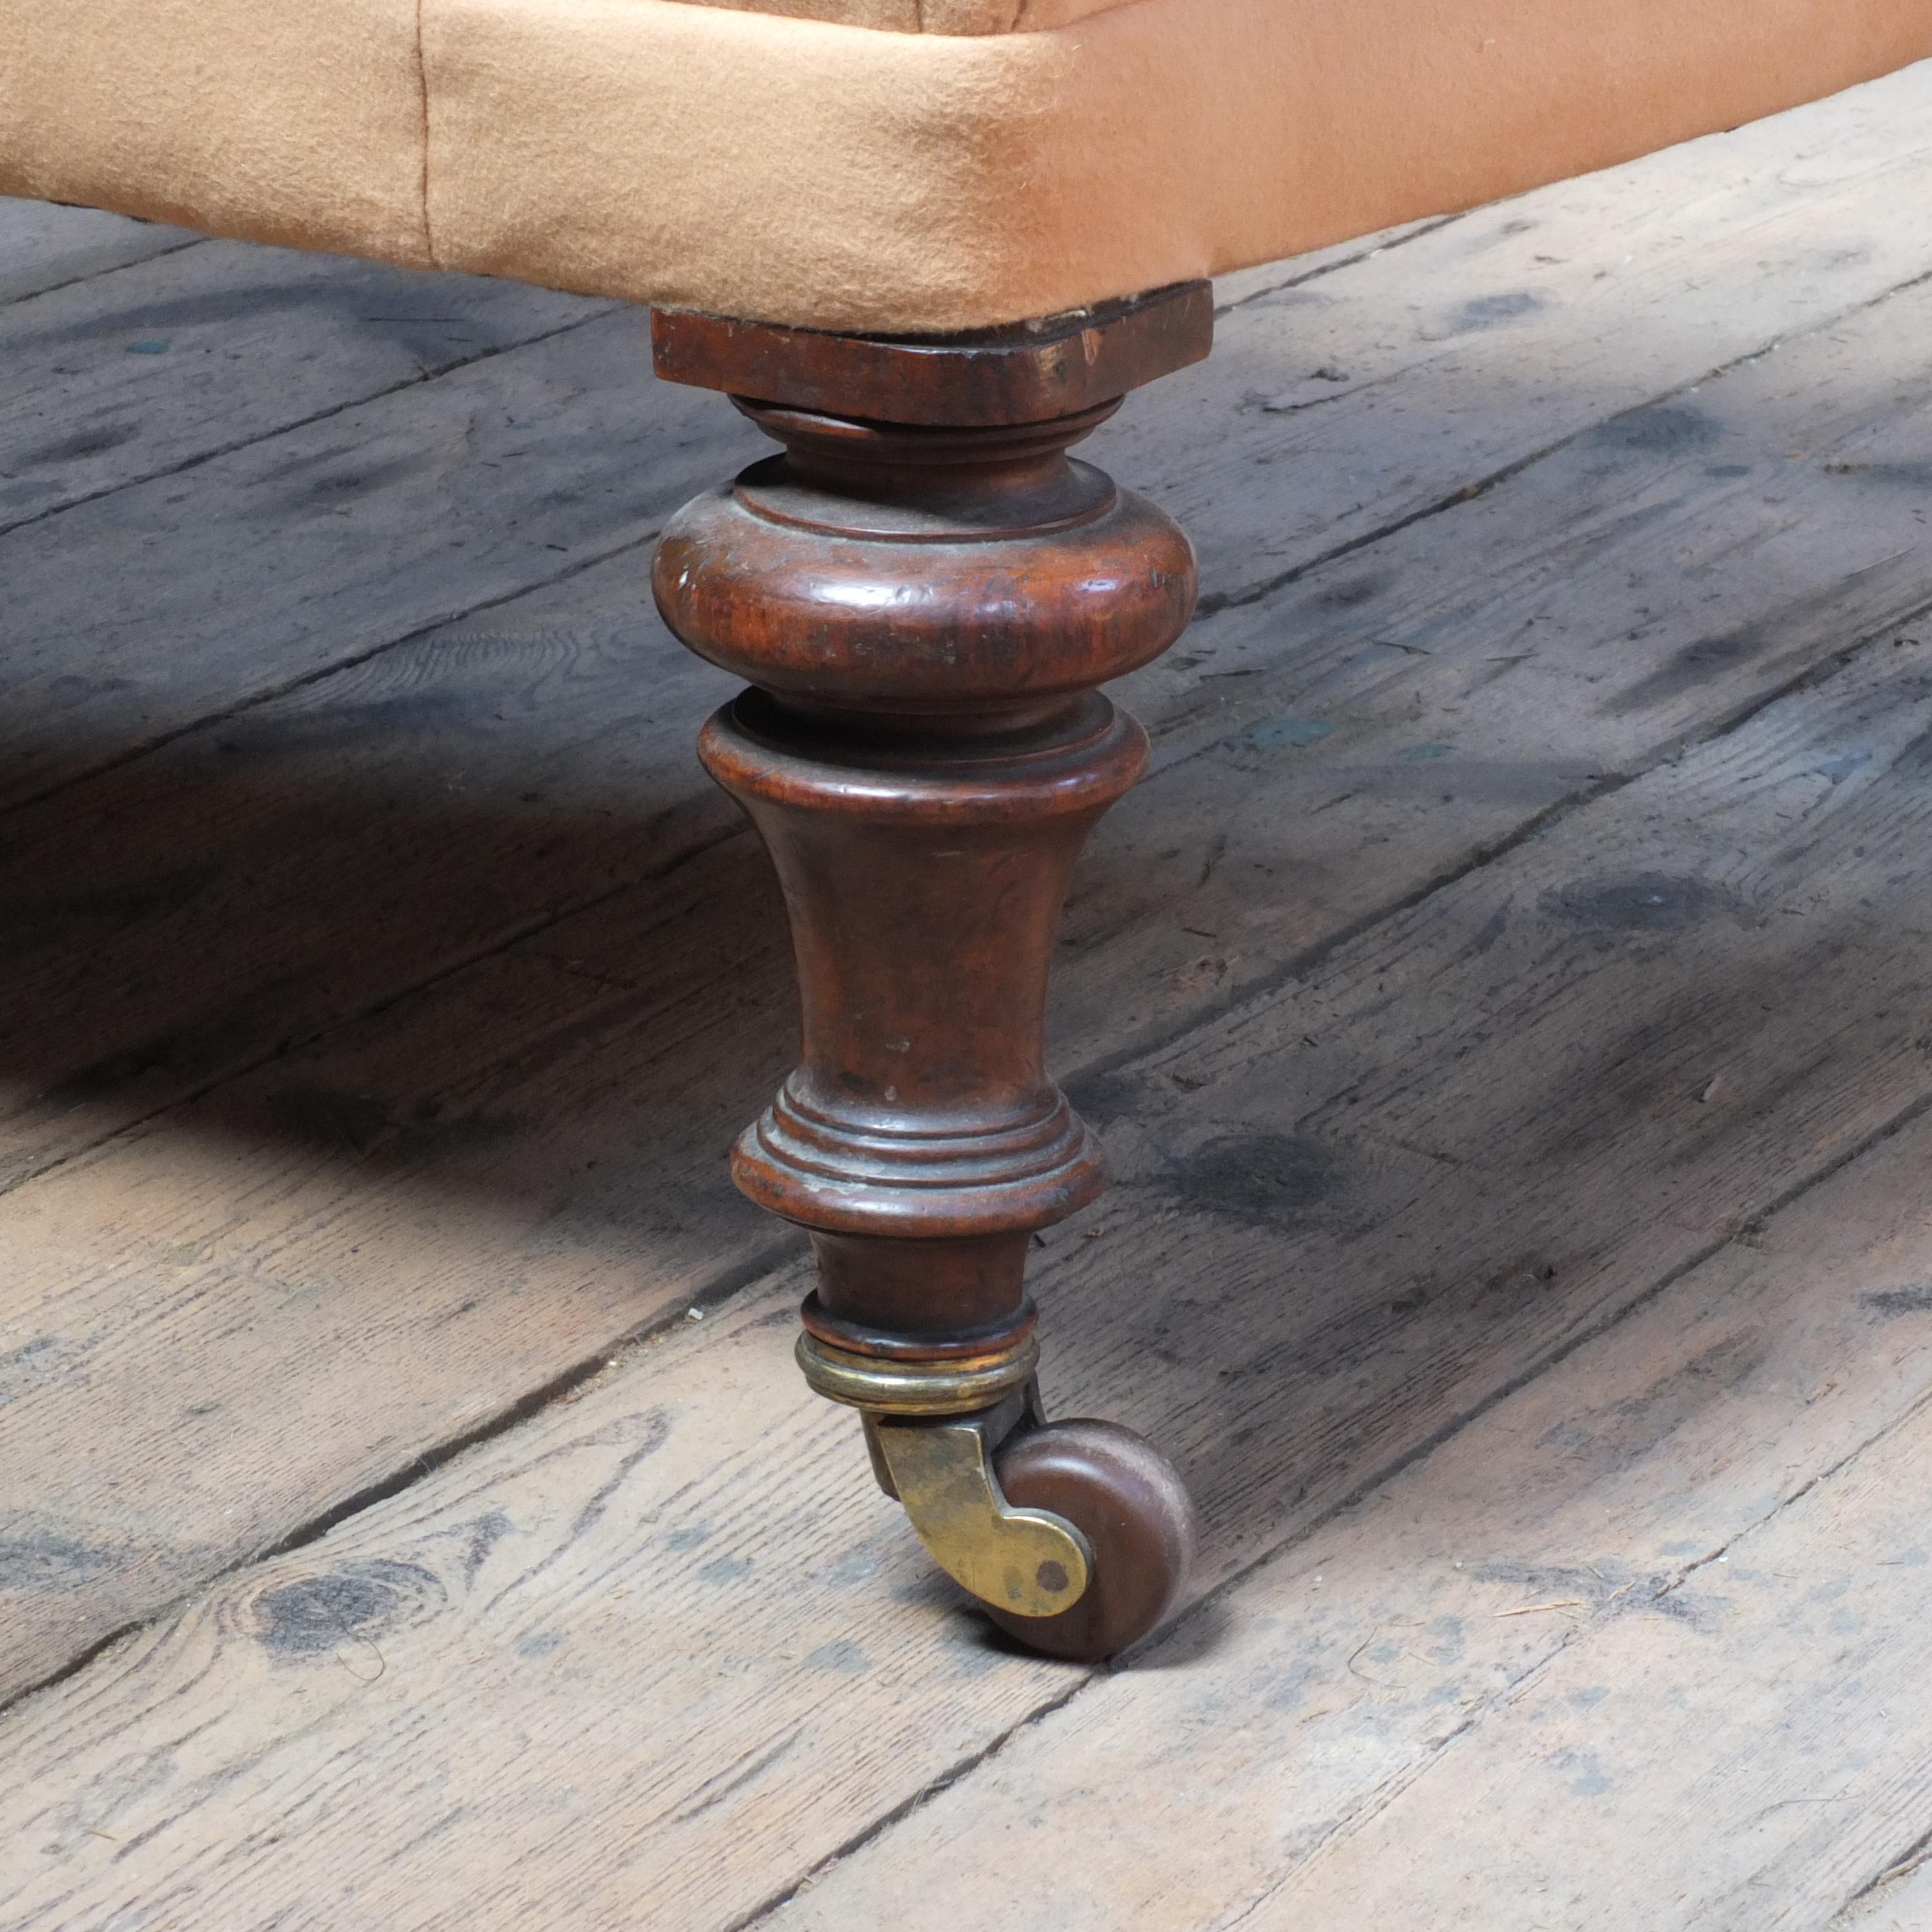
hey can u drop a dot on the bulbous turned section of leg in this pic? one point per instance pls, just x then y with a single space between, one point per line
923 609
952 582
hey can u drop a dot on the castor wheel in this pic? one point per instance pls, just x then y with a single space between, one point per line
1075 1537
1122 1496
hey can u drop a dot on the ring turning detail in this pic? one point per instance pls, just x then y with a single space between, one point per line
924 592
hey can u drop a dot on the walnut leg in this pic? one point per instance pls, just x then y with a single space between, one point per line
923 591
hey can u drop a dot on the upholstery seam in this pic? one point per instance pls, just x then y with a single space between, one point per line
422 92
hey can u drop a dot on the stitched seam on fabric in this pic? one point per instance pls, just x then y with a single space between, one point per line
422 91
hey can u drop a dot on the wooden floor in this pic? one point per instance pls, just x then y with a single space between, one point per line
1508 1003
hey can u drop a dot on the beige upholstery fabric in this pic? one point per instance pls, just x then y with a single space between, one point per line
931 16
836 175
295 121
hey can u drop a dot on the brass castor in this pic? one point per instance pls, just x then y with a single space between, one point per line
1075 1537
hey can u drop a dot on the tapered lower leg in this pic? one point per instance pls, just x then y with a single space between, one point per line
924 882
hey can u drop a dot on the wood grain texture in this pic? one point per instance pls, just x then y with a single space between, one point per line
322 546
604 1036
1030 372
1820 1613
1660 1608
105 384
1899 1899
43 246
515 766
1638 587
710 1652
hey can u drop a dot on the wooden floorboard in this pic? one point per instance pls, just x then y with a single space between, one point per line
107 383
1639 1648
1899 1899
369 1061
137 615
539 1078
1490 340
712 1657
511 770
43 246
591 674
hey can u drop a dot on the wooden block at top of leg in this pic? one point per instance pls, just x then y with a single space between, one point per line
1028 372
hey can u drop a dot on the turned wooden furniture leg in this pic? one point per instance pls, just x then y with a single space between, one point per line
923 591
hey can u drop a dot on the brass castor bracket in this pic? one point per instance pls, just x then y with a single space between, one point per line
935 1455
